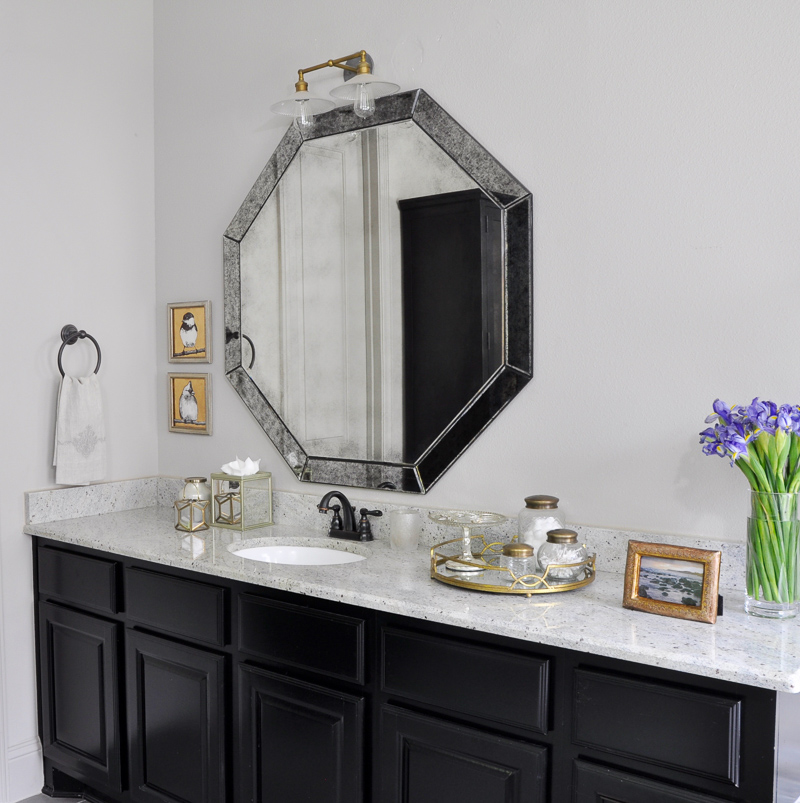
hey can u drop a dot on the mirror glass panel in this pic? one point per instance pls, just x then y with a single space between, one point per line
368 274
322 276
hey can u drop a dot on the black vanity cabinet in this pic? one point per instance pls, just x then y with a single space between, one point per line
301 700
79 673
159 684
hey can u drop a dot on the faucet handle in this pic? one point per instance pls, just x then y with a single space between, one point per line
336 521
364 526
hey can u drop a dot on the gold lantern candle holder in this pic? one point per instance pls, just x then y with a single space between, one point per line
242 503
193 509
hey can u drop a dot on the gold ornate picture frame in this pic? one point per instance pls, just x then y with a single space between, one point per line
189 327
672 581
189 403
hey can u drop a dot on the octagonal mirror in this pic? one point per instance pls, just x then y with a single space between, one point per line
378 295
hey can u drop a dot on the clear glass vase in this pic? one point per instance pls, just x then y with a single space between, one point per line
773 583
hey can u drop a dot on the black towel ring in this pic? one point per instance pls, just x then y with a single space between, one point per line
70 335
235 336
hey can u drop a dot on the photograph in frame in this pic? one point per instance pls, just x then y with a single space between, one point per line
189 327
669 580
190 403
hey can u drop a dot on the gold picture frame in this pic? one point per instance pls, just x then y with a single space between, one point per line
672 581
189 327
189 403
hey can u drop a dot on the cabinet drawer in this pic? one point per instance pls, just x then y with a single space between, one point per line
680 727
78 579
186 608
593 784
329 643
457 676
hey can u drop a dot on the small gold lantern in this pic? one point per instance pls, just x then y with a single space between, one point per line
242 503
193 509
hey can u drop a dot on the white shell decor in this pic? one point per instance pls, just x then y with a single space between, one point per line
241 468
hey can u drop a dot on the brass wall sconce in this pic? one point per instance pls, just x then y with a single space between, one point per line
361 87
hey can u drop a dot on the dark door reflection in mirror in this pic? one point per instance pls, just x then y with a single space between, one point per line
372 269
452 309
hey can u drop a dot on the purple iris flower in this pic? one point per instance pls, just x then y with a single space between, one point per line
721 413
763 415
788 418
734 438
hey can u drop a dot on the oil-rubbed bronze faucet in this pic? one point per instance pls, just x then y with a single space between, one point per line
344 526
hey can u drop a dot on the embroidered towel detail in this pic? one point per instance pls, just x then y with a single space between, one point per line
80 451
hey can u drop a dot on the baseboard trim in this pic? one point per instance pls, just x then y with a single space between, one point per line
24 768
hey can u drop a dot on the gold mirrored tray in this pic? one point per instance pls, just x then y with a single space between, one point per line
487 575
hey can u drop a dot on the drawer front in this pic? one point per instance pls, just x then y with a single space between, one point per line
457 676
692 730
78 579
602 785
329 643
186 608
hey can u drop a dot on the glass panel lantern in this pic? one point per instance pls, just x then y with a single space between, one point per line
242 503
193 509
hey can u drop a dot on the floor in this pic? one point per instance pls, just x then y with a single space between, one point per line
46 799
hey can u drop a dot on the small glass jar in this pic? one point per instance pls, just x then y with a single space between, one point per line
193 509
562 547
519 559
537 518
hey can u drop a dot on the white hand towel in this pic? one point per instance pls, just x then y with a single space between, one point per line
80 452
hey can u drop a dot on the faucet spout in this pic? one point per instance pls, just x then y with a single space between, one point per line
348 516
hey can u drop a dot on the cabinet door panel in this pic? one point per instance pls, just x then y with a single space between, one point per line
602 785
298 741
79 691
176 716
424 760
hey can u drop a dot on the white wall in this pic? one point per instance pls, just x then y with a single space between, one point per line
77 233
659 140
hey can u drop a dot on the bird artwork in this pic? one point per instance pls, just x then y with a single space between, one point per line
188 332
187 405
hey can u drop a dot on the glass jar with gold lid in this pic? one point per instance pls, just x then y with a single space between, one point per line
563 554
519 559
539 515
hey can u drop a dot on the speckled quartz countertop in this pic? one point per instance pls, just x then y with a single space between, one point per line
738 648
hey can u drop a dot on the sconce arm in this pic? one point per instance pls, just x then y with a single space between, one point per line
363 67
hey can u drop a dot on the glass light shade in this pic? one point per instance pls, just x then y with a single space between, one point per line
302 106
313 104
242 503
350 90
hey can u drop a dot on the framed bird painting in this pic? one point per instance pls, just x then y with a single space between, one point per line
189 325
190 403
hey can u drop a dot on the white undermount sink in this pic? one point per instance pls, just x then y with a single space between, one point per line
297 555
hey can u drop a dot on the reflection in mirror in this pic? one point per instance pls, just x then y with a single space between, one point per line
371 234
379 276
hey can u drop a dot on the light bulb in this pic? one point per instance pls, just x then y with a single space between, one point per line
364 103
303 121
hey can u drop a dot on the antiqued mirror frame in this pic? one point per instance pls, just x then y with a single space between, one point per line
516 370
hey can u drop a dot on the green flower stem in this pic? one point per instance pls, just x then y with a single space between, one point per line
765 551
763 563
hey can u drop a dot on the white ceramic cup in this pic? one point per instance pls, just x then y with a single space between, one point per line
405 527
